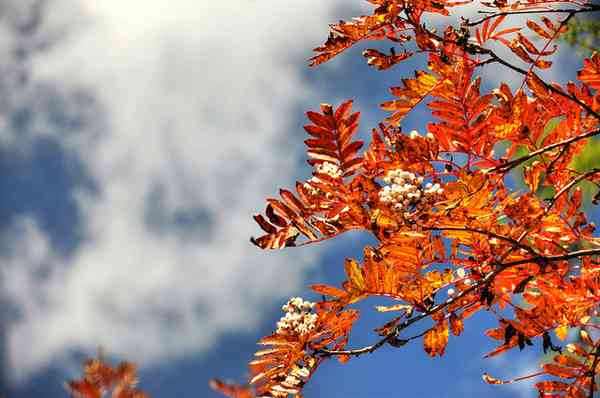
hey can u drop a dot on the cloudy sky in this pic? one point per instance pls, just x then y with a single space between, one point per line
137 138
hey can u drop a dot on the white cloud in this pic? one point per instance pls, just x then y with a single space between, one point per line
197 100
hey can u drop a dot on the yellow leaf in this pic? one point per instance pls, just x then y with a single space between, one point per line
410 95
532 174
413 234
355 274
397 307
385 222
555 229
562 332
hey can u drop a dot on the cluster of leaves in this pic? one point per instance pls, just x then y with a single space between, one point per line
101 380
475 244
452 237
573 371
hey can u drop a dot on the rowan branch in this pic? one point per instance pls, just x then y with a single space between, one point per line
593 372
324 352
476 49
496 58
591 8
436 308
549 259
483 232
555 160
573 182
513 163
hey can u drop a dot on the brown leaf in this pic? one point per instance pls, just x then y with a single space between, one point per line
538 29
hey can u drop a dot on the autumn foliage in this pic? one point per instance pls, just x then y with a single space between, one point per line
454 235
101 380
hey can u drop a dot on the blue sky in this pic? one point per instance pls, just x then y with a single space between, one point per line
136 141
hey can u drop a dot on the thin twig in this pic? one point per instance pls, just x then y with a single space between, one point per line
368 349
513 163
436 308
574 181
549 259
496 58
476 49
555 160
488 233
593 371
592 8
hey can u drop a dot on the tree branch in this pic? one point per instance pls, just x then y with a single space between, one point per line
480 284
592 8
369 349
487 233
496 58
593 372
574 181
513 163
549 259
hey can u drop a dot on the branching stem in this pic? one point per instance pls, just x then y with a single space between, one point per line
590 8
514 163
436 308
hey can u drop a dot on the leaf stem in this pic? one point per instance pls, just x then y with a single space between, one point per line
574 181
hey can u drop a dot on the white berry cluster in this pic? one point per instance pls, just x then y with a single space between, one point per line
299 318
331 169
314 191
294 380
414 134
405 192
291 383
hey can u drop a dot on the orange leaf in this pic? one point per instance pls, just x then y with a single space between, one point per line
491 380
562 332
328 290
585 337
456 324
355 274
538 29
532 174
551 386
231 390
436 339
411 94
560 371
590 74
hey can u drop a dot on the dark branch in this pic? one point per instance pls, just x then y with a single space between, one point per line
473 48
591 8
487 233
574 181
480 284
513 163
593 372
